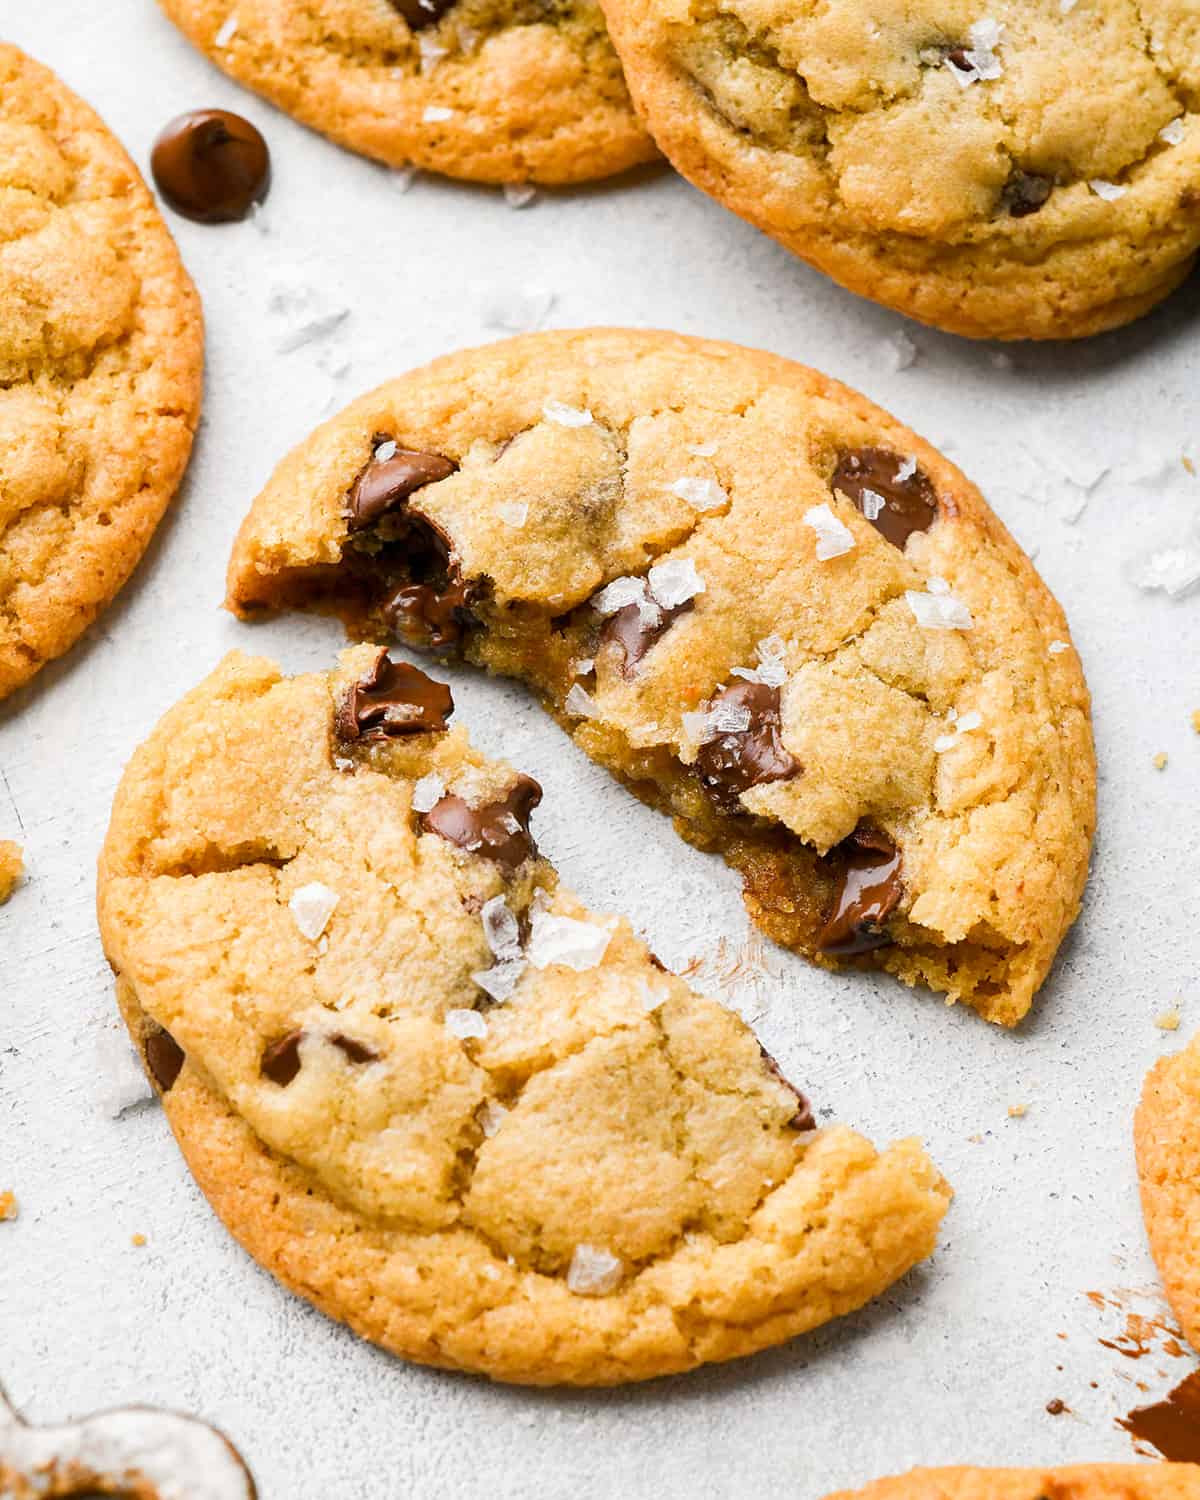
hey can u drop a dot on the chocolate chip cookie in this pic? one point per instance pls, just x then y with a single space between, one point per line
1167 1140
101 350
490 90
430 1090
1069 1482
769 608
1024 171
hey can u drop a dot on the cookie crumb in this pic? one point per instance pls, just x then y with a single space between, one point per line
227 32
1017 1111
12 864
1188 464
137 1240
1056 1407
594 1272
1196 720
1160 761
1168 1020
9 1207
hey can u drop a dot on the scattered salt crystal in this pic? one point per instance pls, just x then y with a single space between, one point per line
937 585
563 940
674 582
702 450
302 312
436 113
969 721
697 727
1109 191
981 62
563 415
465 1024
582 668
772 672
581 703
515 309
1175 570
499 982
491 1116
513 512
945 742
906 470
701 494
519 194
1055 648
729 718
1173 132
872 504
311 908
227 32
619 594
833 538
385 451
594 1272
500 928
899 352
431 52
427 792
938 611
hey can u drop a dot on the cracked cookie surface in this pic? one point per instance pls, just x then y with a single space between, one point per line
101 350
769 608
1167 1141
1163 1481
1008 170
433 1093
500 91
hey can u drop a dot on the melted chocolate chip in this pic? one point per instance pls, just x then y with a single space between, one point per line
164 1057
393 699
909 504
1024 193
497 830
280 1061
385 484
870 890
422 13
736 760
634 634
211 165
803 1119
355 1052
428 615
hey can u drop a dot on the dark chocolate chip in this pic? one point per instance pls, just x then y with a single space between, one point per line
868 869
909 504
498 830
164 1057
385 484
355 1052
1024 193
425 614
422 13
736 760
803 1119
392 699
281 1060
636 629
211 165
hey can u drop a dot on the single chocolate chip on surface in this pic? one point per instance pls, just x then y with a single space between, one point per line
868 864
1024 193
384 484
164 1057
635 629
281 1060
498 830
211 166
392 699
803 1119
736 760
904 500
422 13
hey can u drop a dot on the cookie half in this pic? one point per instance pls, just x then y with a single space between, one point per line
1028 171
101 353
1167 1141
763 603
488 90
433 1093
1069 1482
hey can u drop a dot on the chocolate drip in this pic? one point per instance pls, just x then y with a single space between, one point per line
870 888
393 699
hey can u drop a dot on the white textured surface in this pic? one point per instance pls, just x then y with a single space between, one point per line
956 1364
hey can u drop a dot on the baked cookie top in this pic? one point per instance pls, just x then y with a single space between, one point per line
1011 170
1069 1482
434 1093
101 350
1167 1140
770 608
490 90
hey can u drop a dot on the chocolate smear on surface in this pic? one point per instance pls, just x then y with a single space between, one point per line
1170 1426
393 699
735 760
498 831
164 1058
870 890
901 505
211 166
385 484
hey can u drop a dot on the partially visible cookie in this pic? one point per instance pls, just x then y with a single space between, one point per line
1069 1482
766 605
1167 1141
136 1452
101 350
12 863
1014 171
432 1092
500 91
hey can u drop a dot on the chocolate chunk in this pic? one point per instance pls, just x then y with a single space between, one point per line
164 1057
635 633
736 760
803 1119
427 615
281 1060
868 864
385 484
909 503
355 1052
1024 193
422 13
211 165
498 830
392 699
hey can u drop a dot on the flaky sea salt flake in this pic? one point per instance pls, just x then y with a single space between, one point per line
491 1116
1174 570
1173 132
311 908
872 504
1109 191
594 1272
500 981
501 928
436 114
618 594
563 415
674 582
519 194
702 450
906 470
465 1024
566 941
227 32
427 792
1056 648
729 718
700 494
938 611
833 538
513 512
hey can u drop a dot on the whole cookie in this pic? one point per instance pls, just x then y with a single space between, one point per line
101 350
1167 1141
765 605
433 1093
489 90
1013 171
1070 1482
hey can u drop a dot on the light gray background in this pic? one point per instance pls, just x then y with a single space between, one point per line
957 1363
